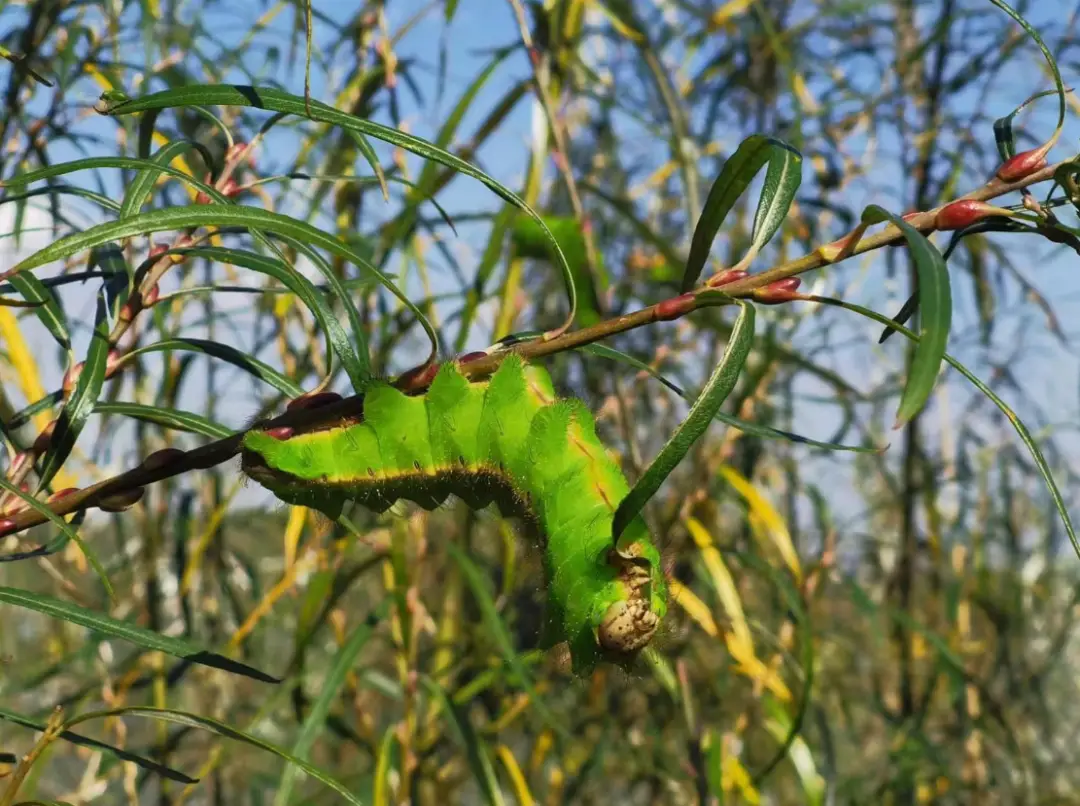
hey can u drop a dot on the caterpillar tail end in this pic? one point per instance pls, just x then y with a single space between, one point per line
627 627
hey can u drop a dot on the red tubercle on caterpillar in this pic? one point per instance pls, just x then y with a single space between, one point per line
120 502
280 432
673 308
778 291
1023 165
312 400
964 213
7 526
162 458
726 277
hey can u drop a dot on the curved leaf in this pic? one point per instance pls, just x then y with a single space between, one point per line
935 305
86 741
238 358
782 180
735 177
174 419
701 414
128 631
278 101
221 729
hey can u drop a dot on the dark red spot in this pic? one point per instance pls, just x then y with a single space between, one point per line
725 277
778 291
64 493
162 458
280 432
1022 165
118 502
964 213
474 356
7 525
41 444
675 307
313 401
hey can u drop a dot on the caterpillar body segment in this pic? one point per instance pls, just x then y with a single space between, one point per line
507 441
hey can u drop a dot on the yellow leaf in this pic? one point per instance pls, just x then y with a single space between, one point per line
521 786
764 515
293 530
739 641
694 607
721 580
734 775
23 362
728 11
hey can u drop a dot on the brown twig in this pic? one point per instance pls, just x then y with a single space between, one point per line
163 465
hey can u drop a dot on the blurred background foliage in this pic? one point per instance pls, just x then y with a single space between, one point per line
847 627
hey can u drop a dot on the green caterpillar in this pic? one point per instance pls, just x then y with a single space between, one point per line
507 441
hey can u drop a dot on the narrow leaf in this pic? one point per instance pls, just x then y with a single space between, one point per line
127 631
701 414
86 741
935 306
169 418
735 177
221 729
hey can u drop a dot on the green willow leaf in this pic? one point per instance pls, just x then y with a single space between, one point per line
127 631
1050 60
47 307
67 533
221 729
343 662
336 336
92 163
1003 132
61 189
86 741
1010 415
701 414
174 419
238 358
935 306
735 177
142 186
176 218
278 101
782 180
79 405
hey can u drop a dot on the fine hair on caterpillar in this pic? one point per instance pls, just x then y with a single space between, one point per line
505 440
